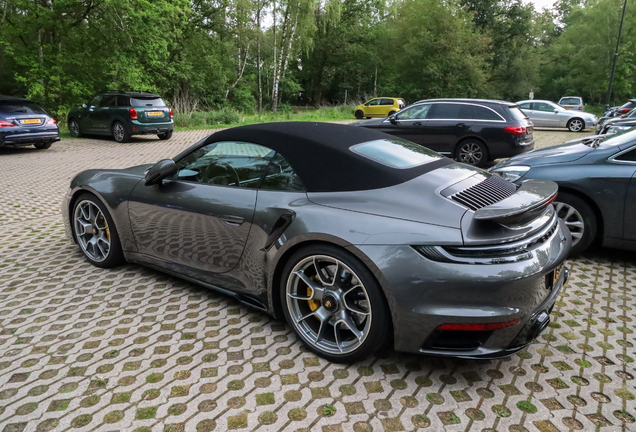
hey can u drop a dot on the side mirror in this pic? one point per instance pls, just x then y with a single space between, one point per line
393 119
159 171
556 111
84 105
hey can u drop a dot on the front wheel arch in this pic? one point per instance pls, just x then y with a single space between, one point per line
567 125
600 228
471 138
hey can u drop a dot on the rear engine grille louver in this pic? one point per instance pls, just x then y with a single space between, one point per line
489 191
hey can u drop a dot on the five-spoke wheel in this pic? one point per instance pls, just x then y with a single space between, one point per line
95 232
334 304
576 125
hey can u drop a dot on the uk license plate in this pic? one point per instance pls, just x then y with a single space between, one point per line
31 121
557 273
567 107
155 113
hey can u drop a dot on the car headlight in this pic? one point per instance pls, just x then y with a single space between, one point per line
511 173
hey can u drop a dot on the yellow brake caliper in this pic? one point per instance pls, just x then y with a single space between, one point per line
313 304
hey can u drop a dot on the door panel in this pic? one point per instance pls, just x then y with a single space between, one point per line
199 226
445 126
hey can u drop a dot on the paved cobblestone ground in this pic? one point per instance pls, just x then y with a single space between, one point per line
83 348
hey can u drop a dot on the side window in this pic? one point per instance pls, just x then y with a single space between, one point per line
226 163
542 106
482 113
95 102
629 156
387 102
122 101
417 112
374 102
281 177
108 101
445 111
525 106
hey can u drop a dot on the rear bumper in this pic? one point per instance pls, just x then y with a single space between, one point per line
424 294
14 139
150 128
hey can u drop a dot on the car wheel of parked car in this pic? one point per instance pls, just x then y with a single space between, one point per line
334 304
576 125
472 152
120 133
359 115
42 146
165 136
74 129
580 219
95 232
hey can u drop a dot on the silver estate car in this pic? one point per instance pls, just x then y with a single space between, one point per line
544 113
574 103
357 238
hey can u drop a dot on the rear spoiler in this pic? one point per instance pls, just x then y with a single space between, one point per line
531 198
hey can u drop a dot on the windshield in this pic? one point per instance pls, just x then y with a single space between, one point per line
141 102
19 107
396 153
620 138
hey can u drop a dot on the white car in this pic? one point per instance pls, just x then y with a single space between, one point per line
545 113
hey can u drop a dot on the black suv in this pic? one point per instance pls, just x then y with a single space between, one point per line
23 123
473 131
121 114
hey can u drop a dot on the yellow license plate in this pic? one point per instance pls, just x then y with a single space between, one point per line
31 121
569 107
155 113
557 273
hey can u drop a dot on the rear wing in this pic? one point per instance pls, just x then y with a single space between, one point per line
530 199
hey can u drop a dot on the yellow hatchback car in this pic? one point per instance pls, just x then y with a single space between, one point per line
379 107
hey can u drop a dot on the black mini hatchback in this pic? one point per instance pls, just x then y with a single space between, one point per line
122 114
473 131
25 123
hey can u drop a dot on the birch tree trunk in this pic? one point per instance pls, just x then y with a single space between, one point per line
258 59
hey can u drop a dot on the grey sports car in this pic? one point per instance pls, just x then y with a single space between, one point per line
354 236
597 187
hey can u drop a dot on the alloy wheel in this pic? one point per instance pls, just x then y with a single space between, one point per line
572 219
328 304
91 230
118 132
576 125
73 128
470 153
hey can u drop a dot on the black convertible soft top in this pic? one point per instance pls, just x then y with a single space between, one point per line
321 156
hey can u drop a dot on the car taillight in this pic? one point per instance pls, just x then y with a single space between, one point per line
133 114
6 124
623 110
516 130
170 111
580 108
51 122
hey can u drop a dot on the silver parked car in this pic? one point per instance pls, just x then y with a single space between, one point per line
545 113
572 103
356 237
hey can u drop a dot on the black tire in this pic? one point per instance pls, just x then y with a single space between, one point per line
120 133
115 254
472 152
74 129
165 136
576 125
43 146
359 115
379 328
590 224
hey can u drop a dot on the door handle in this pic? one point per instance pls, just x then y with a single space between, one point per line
417 124
232 220
460 124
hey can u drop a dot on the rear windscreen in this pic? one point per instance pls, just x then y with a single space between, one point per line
18 107
517 114
152 102
570 101
396 153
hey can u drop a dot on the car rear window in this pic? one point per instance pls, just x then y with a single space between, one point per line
396 153
517 114
18 107
570 101
141 102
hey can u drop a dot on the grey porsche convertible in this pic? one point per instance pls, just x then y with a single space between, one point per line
357 238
